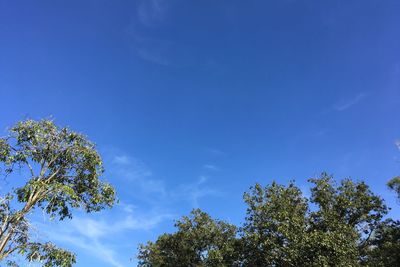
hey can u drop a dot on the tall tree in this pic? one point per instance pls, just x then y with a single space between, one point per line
385 241
274 226
385 245
341 227
63 174
282 230
394 184
334 226
199 241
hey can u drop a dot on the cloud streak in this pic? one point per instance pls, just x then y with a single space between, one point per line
155 191
211 167
94 236
105 238
344 105
195 191
151 11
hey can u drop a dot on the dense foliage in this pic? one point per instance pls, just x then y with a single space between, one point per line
339 224
63 174
199 241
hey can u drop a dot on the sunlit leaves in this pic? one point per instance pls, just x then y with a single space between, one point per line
199 241
64 169
338 225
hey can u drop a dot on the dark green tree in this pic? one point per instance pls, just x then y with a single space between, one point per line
341 227
394 184
385 241
63 174
199 241
275 225
335 226
282 230
385 245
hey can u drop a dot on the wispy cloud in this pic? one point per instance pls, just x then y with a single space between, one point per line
93 235
154 50
121 160
149 46
137 174
146 202
211 167
193 192
151 11
155 191
92 246
164 52
215 151
346 104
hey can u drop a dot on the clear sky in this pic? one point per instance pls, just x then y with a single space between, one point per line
192 102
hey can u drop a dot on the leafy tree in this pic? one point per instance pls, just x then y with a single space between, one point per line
64 170
385 245
282 230
274 226
385 241
346 217
335 226
199 241
394 184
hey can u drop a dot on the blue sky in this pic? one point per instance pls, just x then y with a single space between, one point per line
192 102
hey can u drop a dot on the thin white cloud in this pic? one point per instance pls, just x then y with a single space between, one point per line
93 235
150 12
215 151
344 105
211 167
103 237
154 191
122 160
137 174
193 192
162 51
93 247
137 167
151 47
94 229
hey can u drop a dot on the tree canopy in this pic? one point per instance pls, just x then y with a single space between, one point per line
339 224
63 169
199 241
394 184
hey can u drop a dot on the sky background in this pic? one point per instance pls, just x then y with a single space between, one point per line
192 102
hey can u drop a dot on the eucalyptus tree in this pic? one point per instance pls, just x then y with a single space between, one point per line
394 184
62 170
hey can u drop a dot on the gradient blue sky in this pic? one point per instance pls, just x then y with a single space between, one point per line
192 102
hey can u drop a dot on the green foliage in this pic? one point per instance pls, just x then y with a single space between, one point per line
394 185
347 216
48 254
385 245
64 169
199 241
274 225
338 225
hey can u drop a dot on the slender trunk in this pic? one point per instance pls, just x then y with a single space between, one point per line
4 243
14 221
